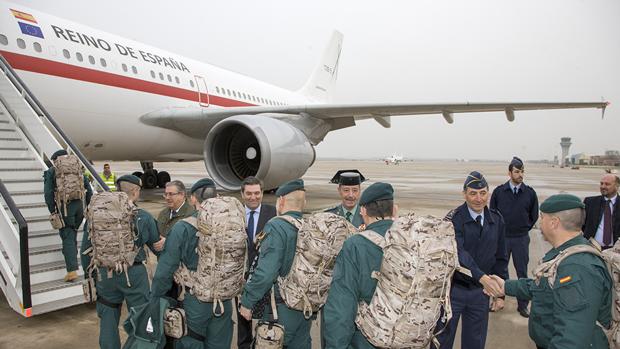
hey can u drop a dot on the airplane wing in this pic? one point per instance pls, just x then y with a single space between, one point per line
196 122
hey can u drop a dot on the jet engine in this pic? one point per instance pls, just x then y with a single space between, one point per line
256 145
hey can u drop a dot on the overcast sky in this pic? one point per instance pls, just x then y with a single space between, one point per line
410 52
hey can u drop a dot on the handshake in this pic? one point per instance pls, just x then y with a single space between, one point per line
493 285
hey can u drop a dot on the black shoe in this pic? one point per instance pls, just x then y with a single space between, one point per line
524 312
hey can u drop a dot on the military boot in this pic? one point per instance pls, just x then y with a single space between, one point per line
71 276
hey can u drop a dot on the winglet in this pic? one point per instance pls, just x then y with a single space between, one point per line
604 108
323 78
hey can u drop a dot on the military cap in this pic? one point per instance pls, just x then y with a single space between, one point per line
290 186
129 178
58 153
377 191
205 182
561 202
348 177
516 162
475 180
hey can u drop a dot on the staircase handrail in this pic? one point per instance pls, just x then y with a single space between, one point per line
36 105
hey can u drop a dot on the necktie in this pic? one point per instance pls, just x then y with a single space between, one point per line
607 224
516 190
479 221
250 228
348 216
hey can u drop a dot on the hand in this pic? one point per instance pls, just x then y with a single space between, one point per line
491 288
245 312
500 282
159 245
497 304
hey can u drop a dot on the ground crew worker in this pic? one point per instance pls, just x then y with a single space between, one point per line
518 204
480 237
205 329
72 218
113 289
565 315
352 282
349 188
275 259
108 177
176 209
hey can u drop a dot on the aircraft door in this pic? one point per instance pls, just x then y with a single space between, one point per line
203 92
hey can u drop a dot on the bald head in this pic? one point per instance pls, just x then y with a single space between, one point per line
609 185
294 201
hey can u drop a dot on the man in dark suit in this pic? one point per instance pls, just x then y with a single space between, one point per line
256 214
602 216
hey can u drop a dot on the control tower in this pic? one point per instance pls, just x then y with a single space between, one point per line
565 144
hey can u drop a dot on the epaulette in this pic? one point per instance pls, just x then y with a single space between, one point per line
450 215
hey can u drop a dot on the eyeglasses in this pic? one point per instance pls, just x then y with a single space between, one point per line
165 195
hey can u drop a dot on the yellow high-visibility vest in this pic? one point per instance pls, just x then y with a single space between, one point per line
109 181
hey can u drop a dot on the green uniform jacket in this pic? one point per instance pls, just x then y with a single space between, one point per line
352 283
565 316
356 219
164 223
49 187
145 229
180 247
275 258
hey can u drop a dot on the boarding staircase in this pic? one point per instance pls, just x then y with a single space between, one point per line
32 266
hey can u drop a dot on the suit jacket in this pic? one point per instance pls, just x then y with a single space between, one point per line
266 213
594 215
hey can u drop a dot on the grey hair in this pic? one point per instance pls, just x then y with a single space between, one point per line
178 184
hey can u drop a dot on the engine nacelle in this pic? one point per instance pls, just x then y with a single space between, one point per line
255 145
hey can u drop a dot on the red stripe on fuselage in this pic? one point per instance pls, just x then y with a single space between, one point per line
49 67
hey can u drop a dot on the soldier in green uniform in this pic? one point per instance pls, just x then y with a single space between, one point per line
176 209
112 288
205 329
275 259
565 315
352 282
72 217
349 188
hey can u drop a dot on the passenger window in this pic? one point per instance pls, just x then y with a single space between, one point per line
91 59
134 69
153 74
161 76
66 53
21 43
169 78
37 47
4 40
103 62
217 89
191 82
228 92
124 67
176 79
79 57
234 93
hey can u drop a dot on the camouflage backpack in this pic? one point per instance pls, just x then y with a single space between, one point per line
222 252
69 177
110 217
419 259
319 241
611 257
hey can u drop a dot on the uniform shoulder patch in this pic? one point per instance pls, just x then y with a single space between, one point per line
449 215
260 236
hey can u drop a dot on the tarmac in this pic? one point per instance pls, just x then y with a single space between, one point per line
424 187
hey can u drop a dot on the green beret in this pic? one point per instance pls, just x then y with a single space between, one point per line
561 202
377 191
129 178
205 182
290 186
58 153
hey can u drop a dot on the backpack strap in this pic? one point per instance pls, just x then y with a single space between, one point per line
549 269
294 221
373 237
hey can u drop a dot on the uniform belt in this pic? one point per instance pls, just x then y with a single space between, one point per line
109 304
196 336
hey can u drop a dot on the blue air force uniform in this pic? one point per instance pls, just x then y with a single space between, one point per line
482 249
519 208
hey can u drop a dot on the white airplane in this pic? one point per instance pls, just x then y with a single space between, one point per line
119 99
394 159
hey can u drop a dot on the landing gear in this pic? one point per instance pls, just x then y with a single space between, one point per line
150 177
